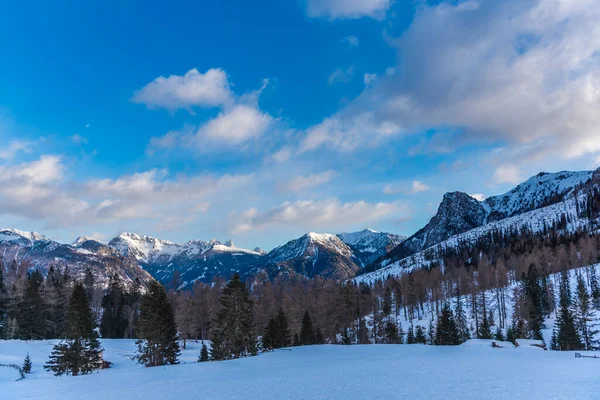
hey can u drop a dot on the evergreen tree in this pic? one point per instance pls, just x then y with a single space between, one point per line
485 329
461 320
420 337
296 341
157 331
554 340
534 297
283 335
499 335
511 335
268 339
203 353
319 339
88 284
410 336
363 332
31 310
113 324
391 333
585 315
307 333
3 304
79 352
234 335
431 333
346 339
447 332
567 336
27 364
386 309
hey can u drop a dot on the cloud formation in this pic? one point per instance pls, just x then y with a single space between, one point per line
306 182
341 75
347 9
210 89
330 213
414 188
535 82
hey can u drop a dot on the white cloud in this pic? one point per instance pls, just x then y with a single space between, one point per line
79 139
414 188
369 78
329 213
507 174
350 41
346 134
341 75
478 196
282 155
535 82
236 125
210 89
348 9
302 183
41 190
14 147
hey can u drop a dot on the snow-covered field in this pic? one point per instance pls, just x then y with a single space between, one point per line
474 370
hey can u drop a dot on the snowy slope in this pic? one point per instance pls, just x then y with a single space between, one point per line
474 370
314 254
459 213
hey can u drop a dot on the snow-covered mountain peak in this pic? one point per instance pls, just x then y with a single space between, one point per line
82 239
9 234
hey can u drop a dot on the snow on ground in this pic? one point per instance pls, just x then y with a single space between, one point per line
474 370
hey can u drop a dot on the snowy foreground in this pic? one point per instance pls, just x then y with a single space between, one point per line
474 370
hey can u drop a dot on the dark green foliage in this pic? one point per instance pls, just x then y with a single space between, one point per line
420 337
431 333
27 364
31 311
319 339
3 303
363 332
203 353
536 304
386 309
447 332
511 335
567 337
410 336
157 343
346 339
296 341
585 315
57 293
234 334
391 333
307 332
79 352
461 320
88 284
277 333
114 322
499 335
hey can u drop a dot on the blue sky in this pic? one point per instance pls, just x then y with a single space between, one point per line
263 120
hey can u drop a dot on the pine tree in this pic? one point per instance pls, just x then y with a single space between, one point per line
499 335
585 315
410 336
79 352
363 332
27 364
447 332
3 304
296 341
268 339
567 336
234 335
346 340
31 311
431 333
420 337
307 333
511 335
203 353
461 320
554 340
113 324
391 333
485 330
157 331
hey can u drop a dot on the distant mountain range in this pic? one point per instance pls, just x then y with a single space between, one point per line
537 202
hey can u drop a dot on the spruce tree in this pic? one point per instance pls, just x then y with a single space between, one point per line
410 336
499 335
461 320
391 333
447 332
431 333
27 364
363 332
268 339
203 353
157 331
3 304
420 337
307 333
567 336
346 339
585 315
234 334
79 352
31 311
296 341
283 334
113 324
